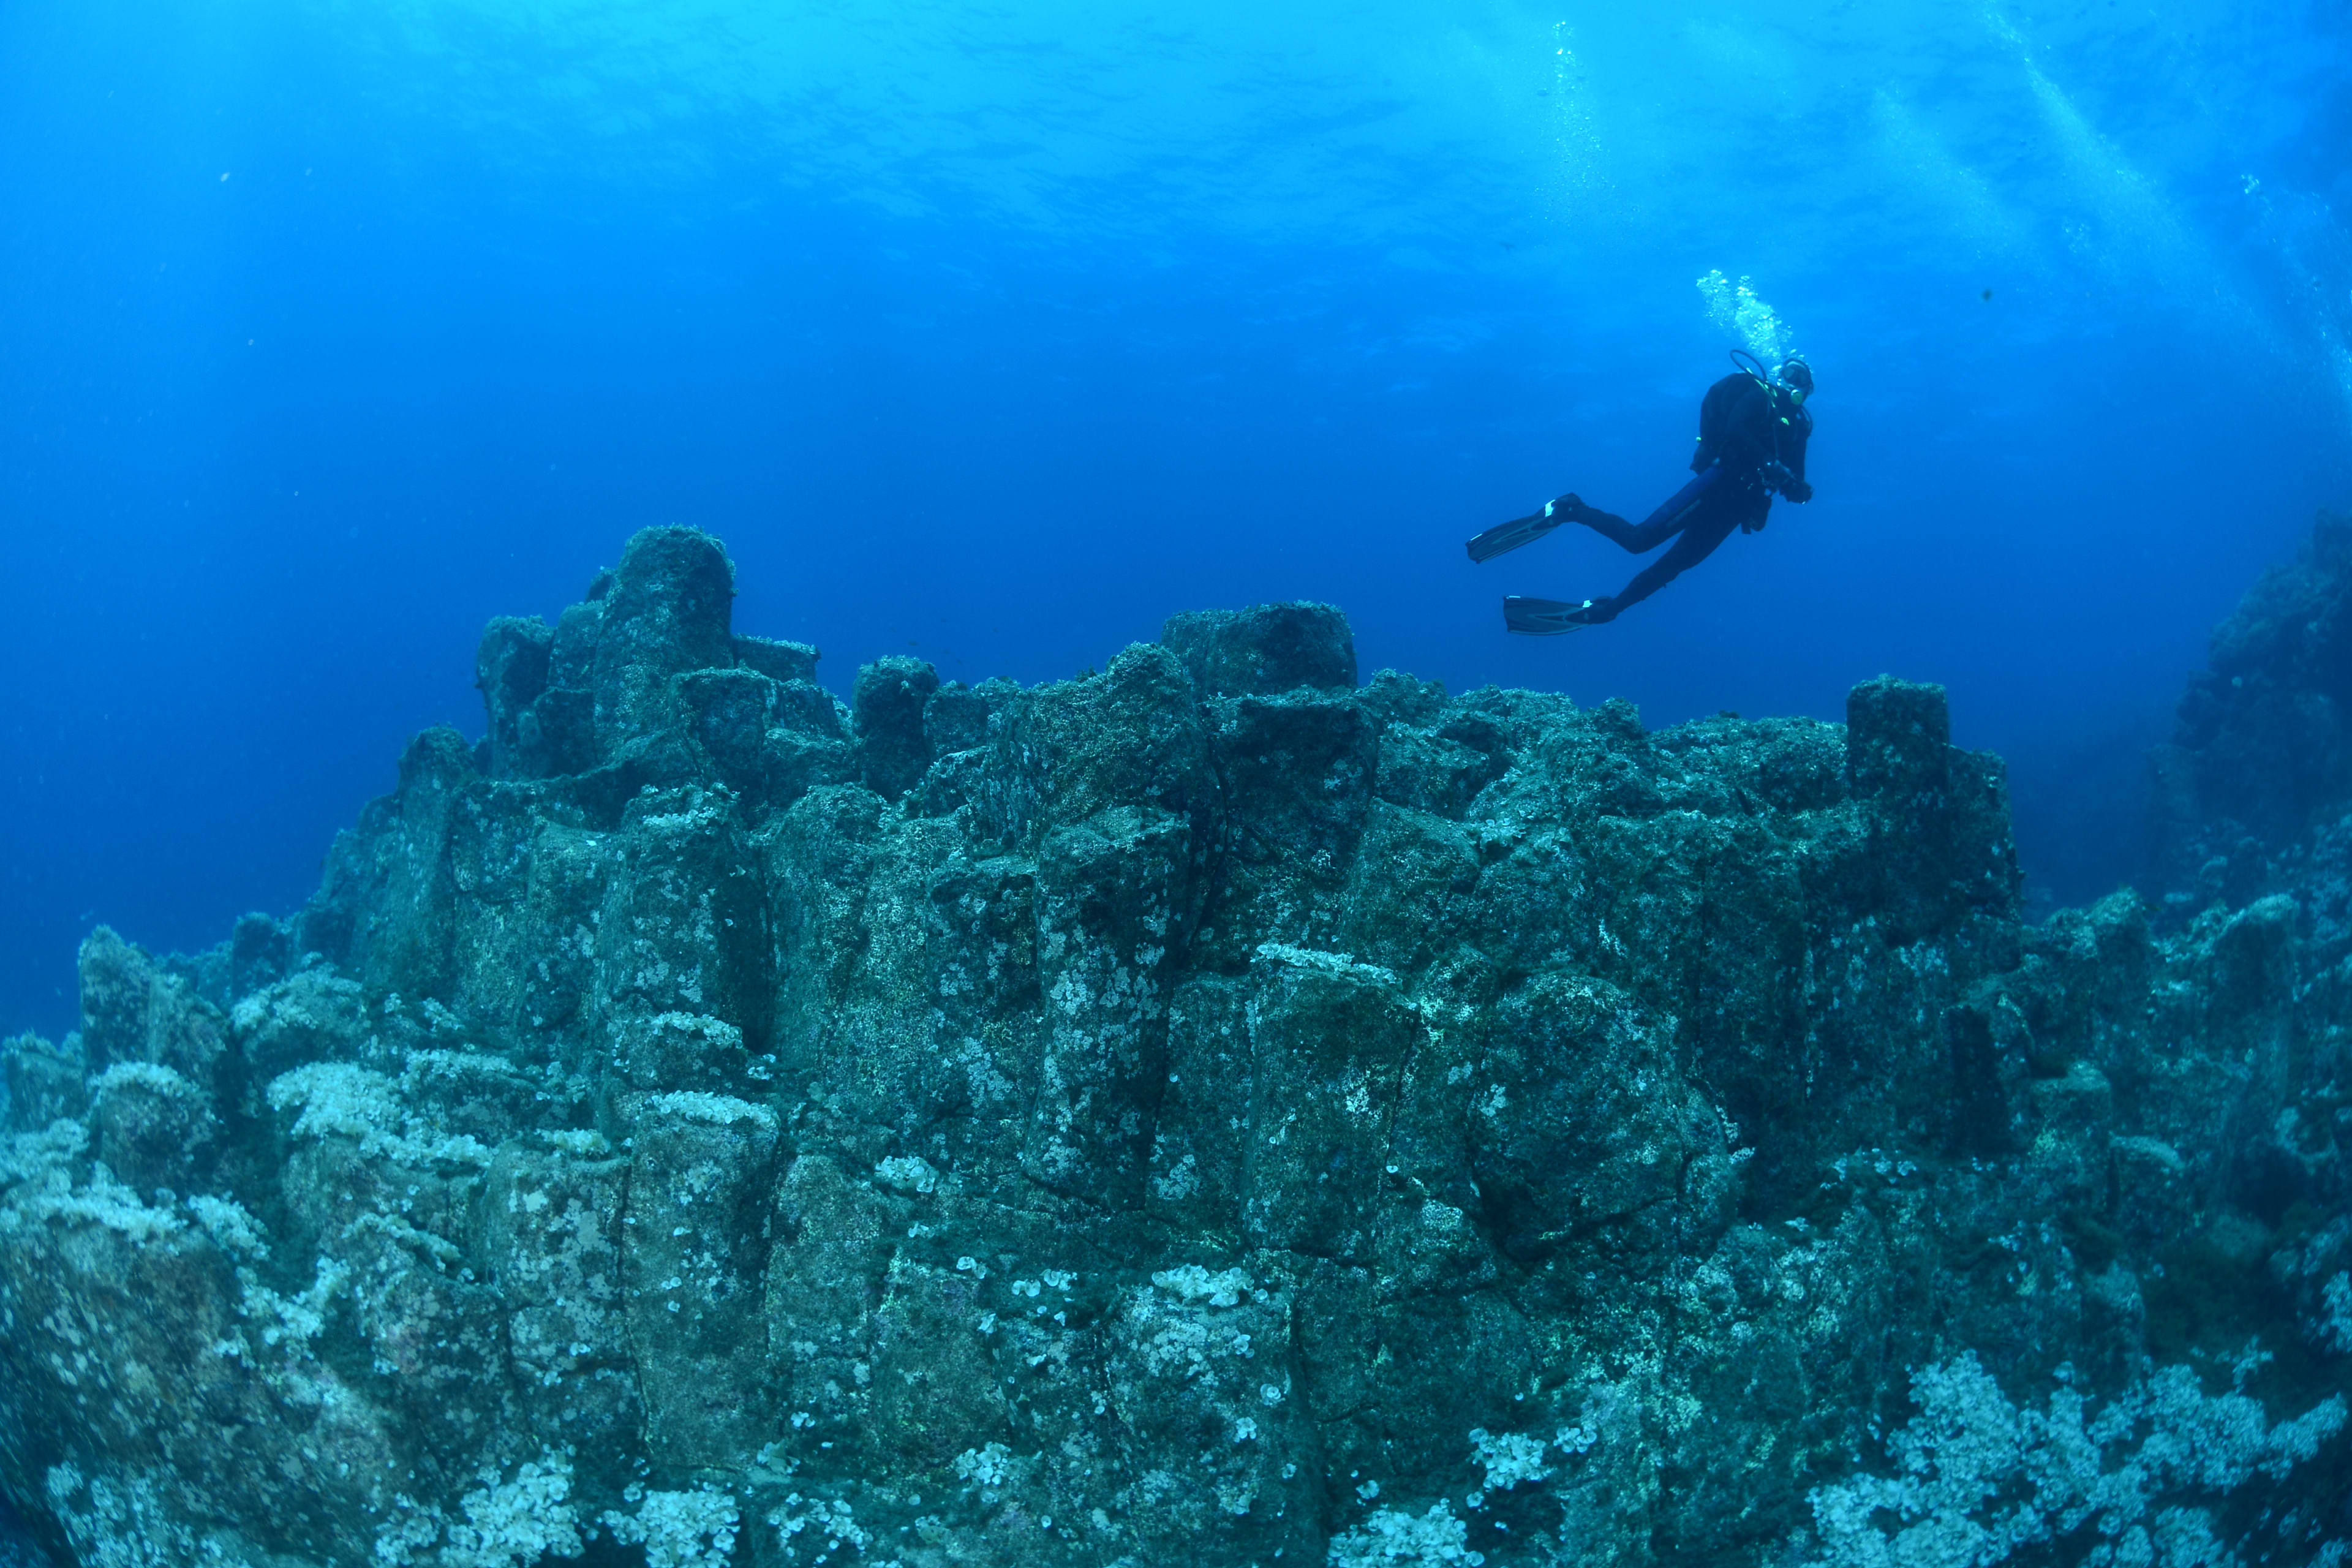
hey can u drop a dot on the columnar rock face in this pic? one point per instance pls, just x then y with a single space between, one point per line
2251 793
1211 1112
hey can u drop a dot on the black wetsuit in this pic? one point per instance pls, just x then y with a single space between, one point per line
1743 428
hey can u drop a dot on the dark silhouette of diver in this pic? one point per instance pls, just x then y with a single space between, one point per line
1752 430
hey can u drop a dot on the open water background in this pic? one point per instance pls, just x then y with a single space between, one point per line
995 333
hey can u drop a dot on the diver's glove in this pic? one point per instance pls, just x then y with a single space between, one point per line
1797 491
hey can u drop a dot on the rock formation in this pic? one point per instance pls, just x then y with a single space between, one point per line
2250 794
1210 1113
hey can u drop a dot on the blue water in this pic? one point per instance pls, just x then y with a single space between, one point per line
995 333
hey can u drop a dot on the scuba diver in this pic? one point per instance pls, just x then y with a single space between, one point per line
1752 430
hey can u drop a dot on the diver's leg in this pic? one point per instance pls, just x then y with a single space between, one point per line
1675 513
1637 538
1700 536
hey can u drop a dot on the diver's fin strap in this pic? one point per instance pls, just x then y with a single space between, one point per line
1548 618
1509 536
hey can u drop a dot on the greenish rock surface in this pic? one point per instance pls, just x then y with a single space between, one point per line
1209 1112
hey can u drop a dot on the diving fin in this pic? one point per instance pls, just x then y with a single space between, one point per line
1509 536
1551 617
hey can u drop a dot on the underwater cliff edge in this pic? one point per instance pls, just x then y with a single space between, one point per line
1209 1112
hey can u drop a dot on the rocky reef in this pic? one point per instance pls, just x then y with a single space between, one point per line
2251 794
1210 1113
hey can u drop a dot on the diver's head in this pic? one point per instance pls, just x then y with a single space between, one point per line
1796 377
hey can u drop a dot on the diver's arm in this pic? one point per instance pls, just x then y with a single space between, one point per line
1773 442
1792 452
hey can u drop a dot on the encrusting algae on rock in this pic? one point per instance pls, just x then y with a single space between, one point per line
1211 1112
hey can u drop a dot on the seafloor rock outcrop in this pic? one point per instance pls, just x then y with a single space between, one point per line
2252 795
1208 1112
